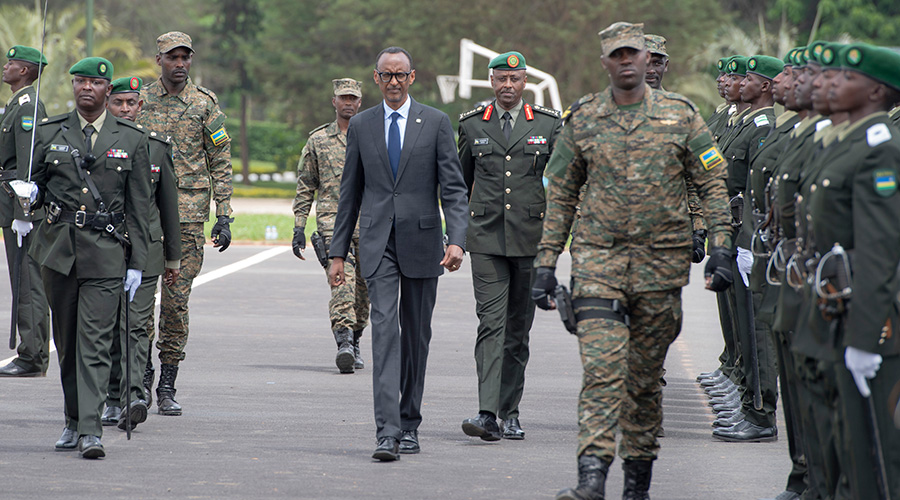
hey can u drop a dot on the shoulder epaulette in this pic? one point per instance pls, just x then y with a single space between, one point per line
208 92
575 105
471 112
320 127
159 137
679 97
547 111
131 124
54 119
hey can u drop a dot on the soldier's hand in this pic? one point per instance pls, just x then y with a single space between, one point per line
542 290
298 244
132 282
221 232
453 257
21 228
170 276
699 246
862 365
718 269
336 272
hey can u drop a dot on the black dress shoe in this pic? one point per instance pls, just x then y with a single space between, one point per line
707 382
14 370
483 426
388 449
512 429
728 398
730 421
409 442
110 415
90 447
68 441
718 393
138 414
713 374
746 432
726 406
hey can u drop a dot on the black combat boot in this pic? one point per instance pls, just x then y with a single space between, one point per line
592 473
345 358
358 362
149 375
165 391
637 479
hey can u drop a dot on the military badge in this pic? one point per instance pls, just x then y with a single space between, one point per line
536 139
154 168
711 158
876 134
885 182
11 52
24 99
761 120
854 57
762 140
481 141
27 122
117 153
529 113
219 136
62 148
512 61
487 113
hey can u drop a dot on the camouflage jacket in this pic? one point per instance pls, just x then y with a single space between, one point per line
634 231
320 169
200 145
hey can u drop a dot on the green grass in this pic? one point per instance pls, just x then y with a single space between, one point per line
252 227
256 166
265 189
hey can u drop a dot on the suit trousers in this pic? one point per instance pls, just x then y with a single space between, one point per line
85 319
505 315
33 322
401 330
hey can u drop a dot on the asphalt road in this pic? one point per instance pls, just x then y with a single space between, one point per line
266 414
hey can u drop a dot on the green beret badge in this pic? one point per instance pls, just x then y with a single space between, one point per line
512 61
827 56
134 83
101 69
854 57
751 64
11 52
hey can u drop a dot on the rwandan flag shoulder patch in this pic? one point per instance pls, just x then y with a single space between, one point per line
219 136
885 182
27 123
711 158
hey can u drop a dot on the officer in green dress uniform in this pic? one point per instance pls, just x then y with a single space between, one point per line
93 172
503 149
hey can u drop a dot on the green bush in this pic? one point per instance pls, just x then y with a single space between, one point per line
269 141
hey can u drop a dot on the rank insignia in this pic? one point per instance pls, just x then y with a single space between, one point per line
154 168
219 136
62 148
762 140
529 113
117 153
24 99
711 158
536 139
481 142
761 120
486 116
27 122
885 182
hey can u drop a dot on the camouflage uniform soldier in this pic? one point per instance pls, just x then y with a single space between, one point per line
320 169
190 116
631 252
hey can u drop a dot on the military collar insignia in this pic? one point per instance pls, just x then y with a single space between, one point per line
487 113
529 114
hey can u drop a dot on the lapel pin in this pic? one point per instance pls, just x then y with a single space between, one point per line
418 120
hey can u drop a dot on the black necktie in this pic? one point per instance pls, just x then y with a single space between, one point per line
88 133
507 124
394 143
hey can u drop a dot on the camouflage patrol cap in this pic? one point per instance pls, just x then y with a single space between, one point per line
93 67
621 34
878 63
508 61
126 85
765 66
656 44
737 65
27 54
172 40
347 86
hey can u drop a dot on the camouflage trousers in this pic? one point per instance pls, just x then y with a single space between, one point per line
622 367
173 309
349 304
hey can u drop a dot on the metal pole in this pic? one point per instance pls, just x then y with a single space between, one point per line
89 29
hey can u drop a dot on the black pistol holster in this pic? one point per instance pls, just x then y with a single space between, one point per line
320 247
563 300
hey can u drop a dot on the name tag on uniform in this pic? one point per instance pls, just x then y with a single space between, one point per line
117 153
63 148
154 168
482 141
536 139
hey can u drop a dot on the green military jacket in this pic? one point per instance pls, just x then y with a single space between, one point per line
202 149
121 173
717 122
505 178
165 230
320 169
634 230
739 146
15 148
854 202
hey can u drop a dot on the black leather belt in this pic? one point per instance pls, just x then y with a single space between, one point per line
81 218
8 175
591 308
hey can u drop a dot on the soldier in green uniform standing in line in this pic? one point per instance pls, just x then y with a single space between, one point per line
503 149
22 112
190 117
320 169
164 258
717 121
631 252
93 171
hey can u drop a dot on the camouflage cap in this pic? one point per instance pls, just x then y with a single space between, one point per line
765 66
878 63
173 40
93 67
347 86
656 44
126 85
621 34
508 61
27 54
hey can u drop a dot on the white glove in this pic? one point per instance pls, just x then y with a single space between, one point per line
21 228
744 264
862 365
132 282
25 188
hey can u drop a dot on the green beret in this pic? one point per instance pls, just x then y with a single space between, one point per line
878 63
93 67
508 61
738 65
799 57
830 57
765 66
722 64
27 54
126 85
815 51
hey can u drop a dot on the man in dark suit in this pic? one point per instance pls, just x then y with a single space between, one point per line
503 149
399 153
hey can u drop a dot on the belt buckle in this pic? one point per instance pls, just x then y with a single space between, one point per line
80 218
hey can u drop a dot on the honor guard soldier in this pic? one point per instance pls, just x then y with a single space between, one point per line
32 314
503 149
190 117
163 258
320 169
93 172
631 252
